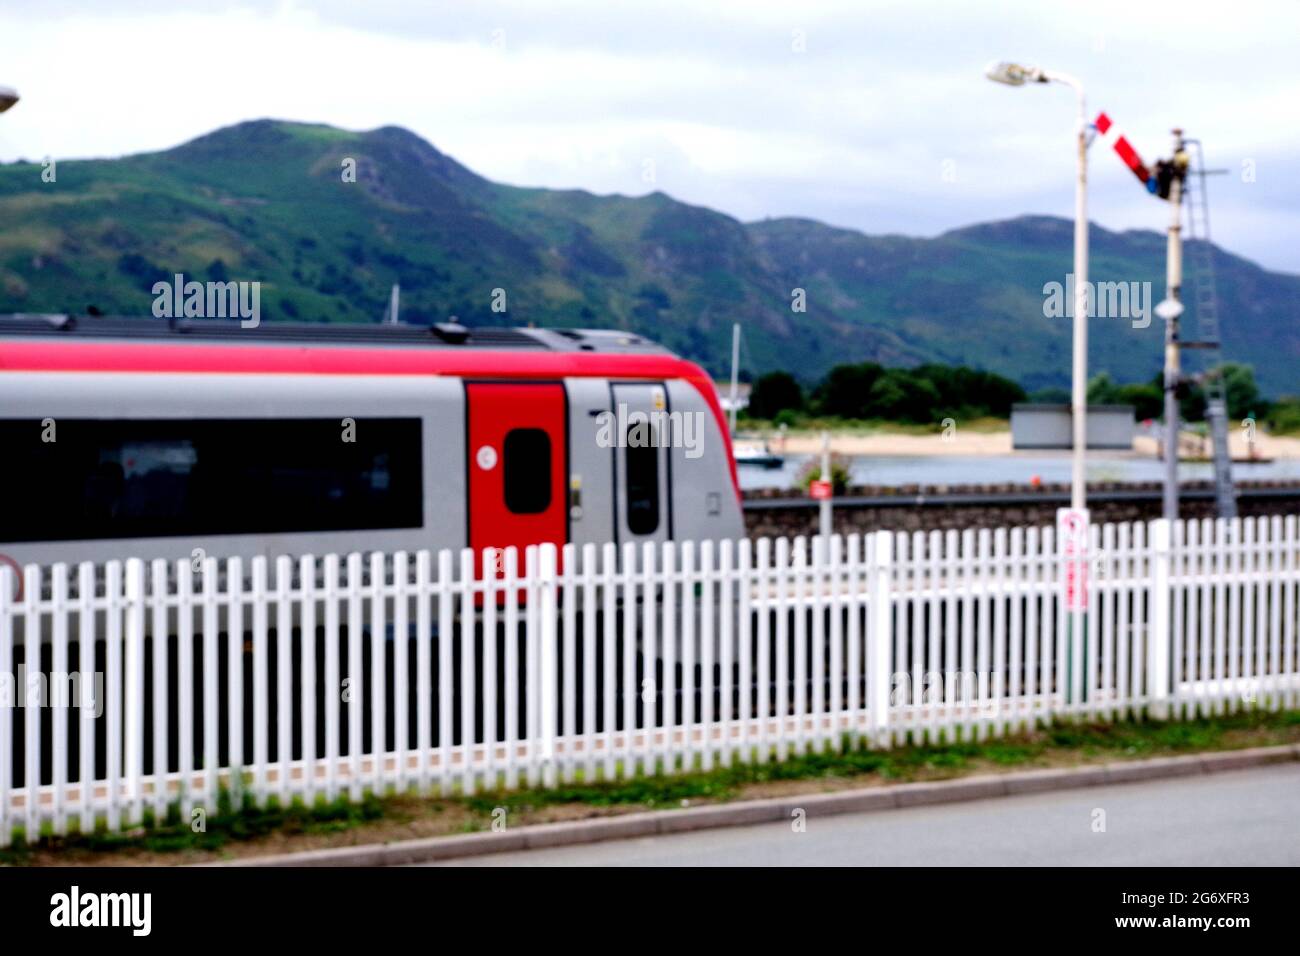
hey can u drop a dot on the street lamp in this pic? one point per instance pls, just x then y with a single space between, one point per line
8 97
1073 527
1013 74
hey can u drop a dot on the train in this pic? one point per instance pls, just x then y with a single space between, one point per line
139 437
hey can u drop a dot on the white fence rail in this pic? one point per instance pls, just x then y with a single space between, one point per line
439 672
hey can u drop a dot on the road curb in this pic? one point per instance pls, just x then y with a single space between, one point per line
774 809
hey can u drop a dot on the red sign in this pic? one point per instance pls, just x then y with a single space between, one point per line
821 490
1072 539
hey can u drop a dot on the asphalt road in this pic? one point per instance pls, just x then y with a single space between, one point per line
1243 818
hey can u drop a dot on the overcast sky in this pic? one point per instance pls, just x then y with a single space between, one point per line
866 114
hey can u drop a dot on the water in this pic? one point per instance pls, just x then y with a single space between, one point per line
1016 468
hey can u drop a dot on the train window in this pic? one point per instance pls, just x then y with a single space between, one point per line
643 486
527 470
100 479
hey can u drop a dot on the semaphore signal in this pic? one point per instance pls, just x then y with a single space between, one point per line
1111 135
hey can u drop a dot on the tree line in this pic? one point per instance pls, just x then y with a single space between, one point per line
1148 398
932 392
868 390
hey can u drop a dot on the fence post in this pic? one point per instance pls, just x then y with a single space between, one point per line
134 706
547 591
826 524
880 636
1159 636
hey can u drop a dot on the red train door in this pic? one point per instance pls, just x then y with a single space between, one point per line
518 458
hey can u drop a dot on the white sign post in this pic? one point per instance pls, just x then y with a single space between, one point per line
824 492
1072 542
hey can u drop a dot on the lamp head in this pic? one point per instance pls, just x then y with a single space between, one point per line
1013 74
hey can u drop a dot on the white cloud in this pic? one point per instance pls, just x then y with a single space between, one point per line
578 93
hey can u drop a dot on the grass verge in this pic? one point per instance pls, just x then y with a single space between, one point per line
240 828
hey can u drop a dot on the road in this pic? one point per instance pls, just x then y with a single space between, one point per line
1245 818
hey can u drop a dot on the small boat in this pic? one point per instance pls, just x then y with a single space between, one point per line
758 456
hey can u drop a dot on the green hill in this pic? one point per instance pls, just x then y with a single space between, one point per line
266 201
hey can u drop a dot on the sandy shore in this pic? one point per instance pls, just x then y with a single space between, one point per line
962 444
987 443
1264 446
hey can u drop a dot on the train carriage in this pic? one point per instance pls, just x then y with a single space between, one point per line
156 439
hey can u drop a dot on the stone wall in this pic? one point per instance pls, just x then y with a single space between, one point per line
784 512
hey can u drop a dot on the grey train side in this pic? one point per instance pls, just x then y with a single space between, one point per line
697 498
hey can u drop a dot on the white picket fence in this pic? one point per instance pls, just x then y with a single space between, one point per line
442 672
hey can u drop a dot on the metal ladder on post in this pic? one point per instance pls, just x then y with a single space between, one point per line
1208 342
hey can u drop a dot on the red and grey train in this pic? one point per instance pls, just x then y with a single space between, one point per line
126 437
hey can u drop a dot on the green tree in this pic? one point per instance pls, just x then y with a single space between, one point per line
1102 390
773 393
898 395
844 390
998 393
1148 400
812 471
1051 396
970 392
1283 416
1241 390
1191 402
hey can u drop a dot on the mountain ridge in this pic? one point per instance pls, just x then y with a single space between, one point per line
266 200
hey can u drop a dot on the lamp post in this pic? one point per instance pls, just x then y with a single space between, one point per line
1072 526
1013 74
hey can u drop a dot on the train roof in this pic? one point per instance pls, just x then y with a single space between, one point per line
442 335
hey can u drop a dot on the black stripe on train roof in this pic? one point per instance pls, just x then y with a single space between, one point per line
327 333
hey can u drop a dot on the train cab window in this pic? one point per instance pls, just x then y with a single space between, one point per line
101 479
526 465
643 486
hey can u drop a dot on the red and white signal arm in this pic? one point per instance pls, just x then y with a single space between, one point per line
1072 544
820 489
1111 136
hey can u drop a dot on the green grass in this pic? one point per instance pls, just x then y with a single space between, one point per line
1062 743
1283 417
903 763
234 820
